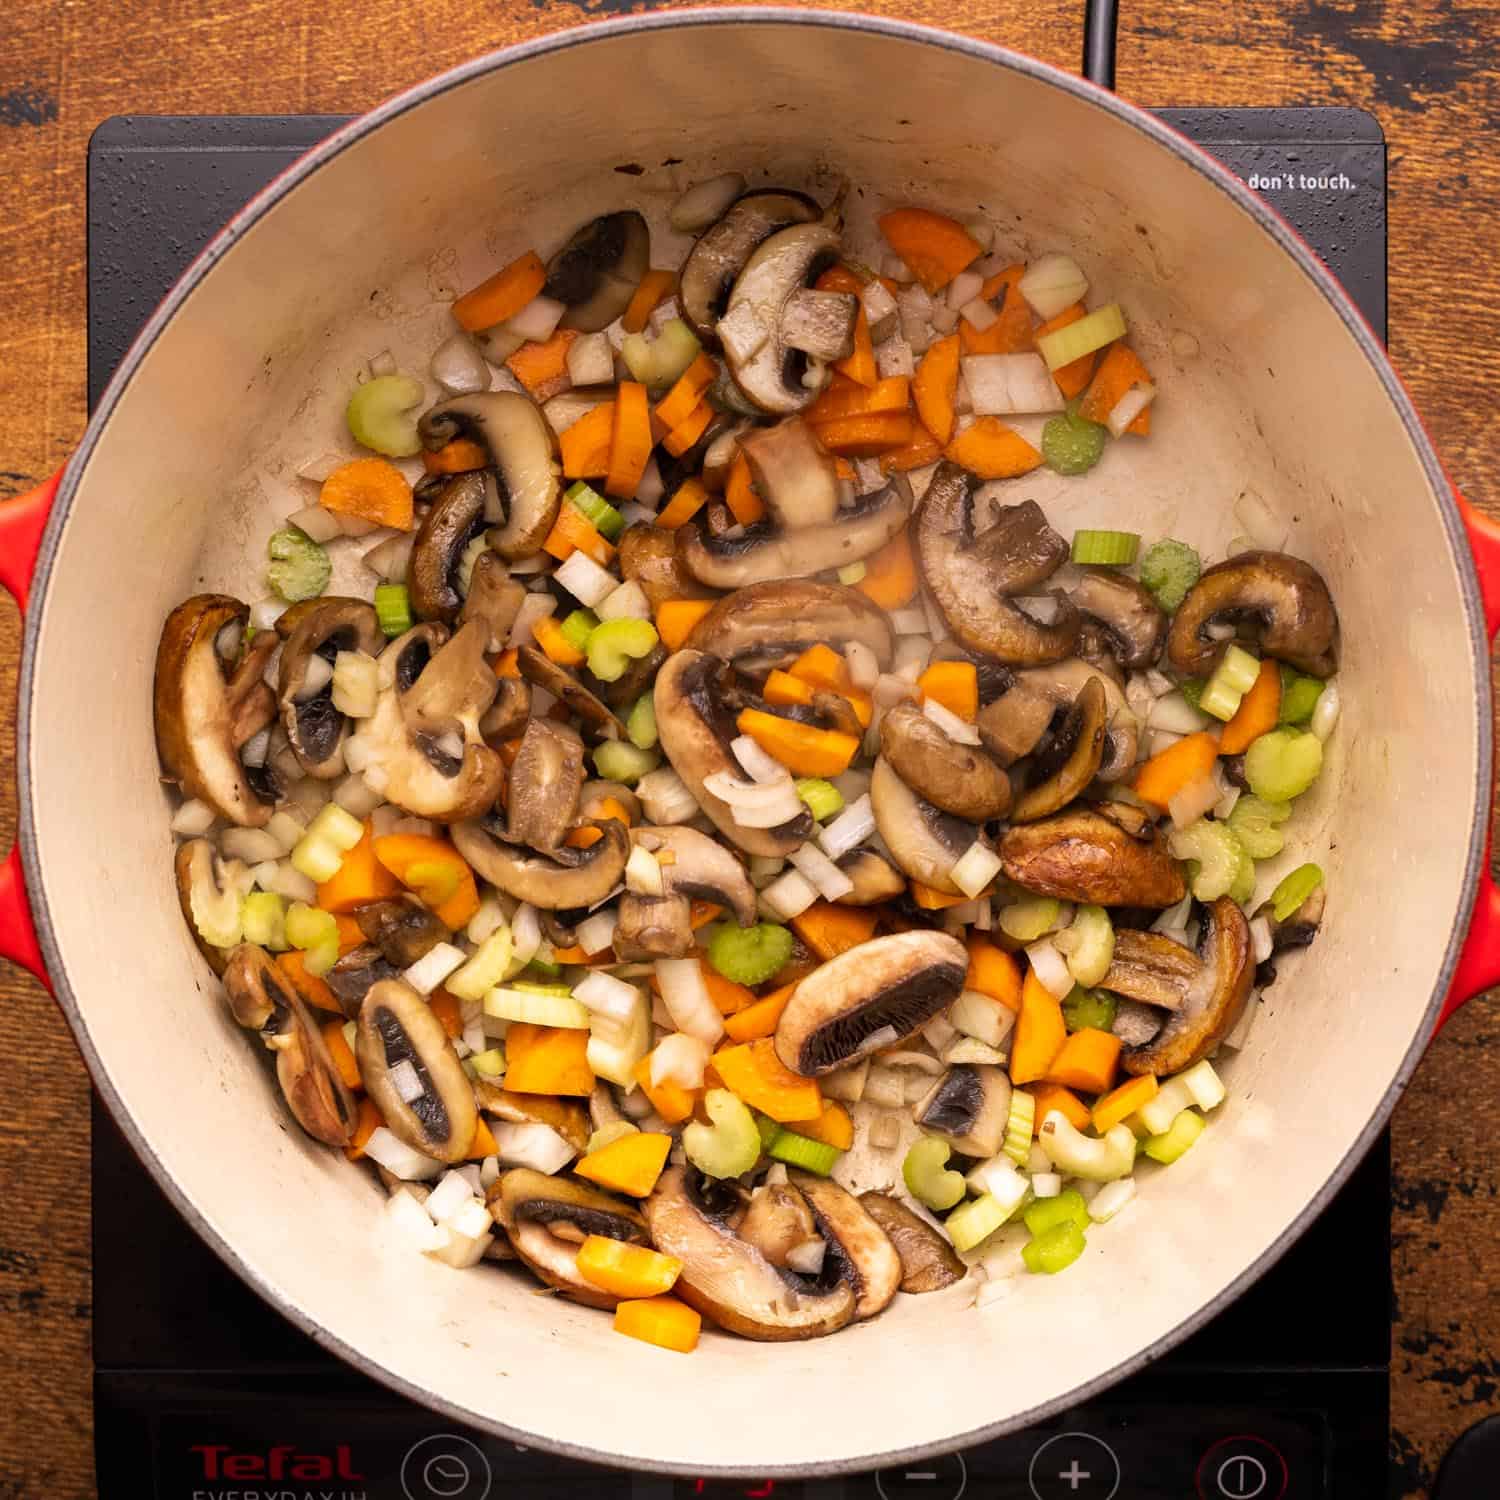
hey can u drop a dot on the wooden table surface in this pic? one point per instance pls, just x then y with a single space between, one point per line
1425 68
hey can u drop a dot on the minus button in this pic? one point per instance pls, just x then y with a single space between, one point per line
945 1480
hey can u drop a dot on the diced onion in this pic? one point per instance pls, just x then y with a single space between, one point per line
679 1059
831 881
597 932
355 795
944 318
1260 521
755 805
706 202
591 360
1046 1184
1260 939
1053 282
608 996
980 1017
532 1145
789 896
759 766
975 869
458 367
1128 408
405 1081
665 797
1110 1199
849 830
807 1258
960 731
586 580
390 559
318 466
264 613
392 1153
1326 715
250 844
1176 715
1173 921
643 874
534 607
885 1087
538 320
433 967
563 411
687 1000
1193 801
912 620
894 358
627 602
1050 968
193 819
1010 384
964 288
407 1219
317 675
321 525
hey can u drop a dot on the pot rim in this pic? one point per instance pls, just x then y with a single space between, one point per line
1083 91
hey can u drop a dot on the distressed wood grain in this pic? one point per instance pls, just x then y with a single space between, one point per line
1425 67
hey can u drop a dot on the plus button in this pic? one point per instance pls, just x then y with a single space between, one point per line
1074 1475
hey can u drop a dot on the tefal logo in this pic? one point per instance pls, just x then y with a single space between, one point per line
280 1462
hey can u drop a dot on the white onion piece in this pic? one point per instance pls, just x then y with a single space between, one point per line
1176 715
807 1258
686 998
382 364
706 202
764 868
264 613
193 819
536 1146
384 819
597 932
1053 282
608 996
538 320
912 654
1193 801
885 1087
1161 739
254 751
459 367
1128 408
591 360
1010 384
355 526
390 559
679 1059
831 881
392 1153
407 1220
665 797
1260 939
1260 521
405 1080
253 845
976 869
1326 715
912 620
585 580
1046 1184
1228 796
964 287
317 675
788 896
563 411
649 492
643 874
979 314
1050 968
894 358
319 524
355 795
889 690
863 664
1173 921
525 934
760 766
534 607
914 308
317 467
1237 1038
434 967
1110 1199
960 731
291 883
944 318
627 602
849 830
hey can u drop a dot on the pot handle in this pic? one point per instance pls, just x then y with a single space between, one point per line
1099 43
21 524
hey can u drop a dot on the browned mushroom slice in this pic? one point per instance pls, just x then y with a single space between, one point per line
968 1107
928 1261
793 473
494 599
874 879
648 556
545 780
872 996
959 779
631 683
455 519
566 1116
560 881
595 794
1132 623
925 841
695 865
1015 722
356 973
206 708
652 927
1151 967
973 574
777 1220
1077 750
1281 600
596 719
506 717
315 729
862 1255
263 1001
205 897
403 930
728 1280
1083 855
597 271
1212 1005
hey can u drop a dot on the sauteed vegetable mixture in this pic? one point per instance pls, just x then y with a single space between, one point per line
740 858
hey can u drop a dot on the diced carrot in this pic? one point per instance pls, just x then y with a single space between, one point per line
690 498
1049 1096
369 1122
630 440
543 367
1181 764
1071 378
758 1020
369 489
574 532
677 617
359 879
821 666
585 445
701 913
508 663
503 295
859 364
1118 372
1257 712
663 1321
625 1270
845 398
350 935
682 437
310 987
484 1143
933 900
868 436
448 1011
782 689
729 997
934 387
343 1056
629 1165
654 289
954 684
435 871
548 1060
934 247
1140 425
457 456
802 748
687 394
830 930
550 637
993 972
1115 1106
1039 1035
991 450
574 955
753 1071
833 1127
1087 1061
670 1100
891 574
1010 333
740 494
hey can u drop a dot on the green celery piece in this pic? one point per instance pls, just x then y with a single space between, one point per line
1299 696
823 798
393 608
1071 444
299 568
1294 889
1089 1010
749 955
728 1146
926 1177
1168 570
1171 1144
382 415
641 725
803 1152
616 643
1255 825
1055 1250
1067 1207
1282 765
619 760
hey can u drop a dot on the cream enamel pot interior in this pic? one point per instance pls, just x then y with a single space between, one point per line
188 463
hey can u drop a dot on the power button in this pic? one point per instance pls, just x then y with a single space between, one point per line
1242 1468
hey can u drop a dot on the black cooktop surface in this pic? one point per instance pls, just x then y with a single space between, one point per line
204 1391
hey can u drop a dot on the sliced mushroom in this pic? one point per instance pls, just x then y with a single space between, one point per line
959 779
597 271
968 1107
546 778
201 888
1213 1003
567 1117
263 1001
1132 621
872 996
515 435
204 711
403 930
695 865
696 730
794 474
1282 601
863 1256
652 927
597 720
592 798
972 575
631 683
769 625
820 324
763 551
494 599
1152 968
547 1218
1084 855
402 1047
709 273
874 879
1135 1023
925 841
356 973
1078 748
315 729
928 1261
648 556
454 520
777 1220
1013 724
559 881
729 1280
507 716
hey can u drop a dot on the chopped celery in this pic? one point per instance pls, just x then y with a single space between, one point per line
1299 696
604 518
607 1135
1169 569
490 1063
618 760
1186 1129
340 827
1254 823
749 955
435 881
804 1152
615 643
1115 549
1283 764
541 987
1089 1010
769 1129
925 1175
1055 1250
1294 890
823 798
1092 331
1191 688
1019 1126
393 608
381 415
299 566
1088 944
264 918
307 927
1218 853
317 858
1071 444
1229 682
641 725
851 574
543 962
515 1004
1029 918
1067 1208
731 1144
1242 887
975 1221
658 362
578 627
485 968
